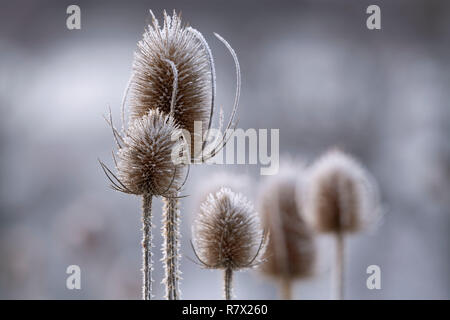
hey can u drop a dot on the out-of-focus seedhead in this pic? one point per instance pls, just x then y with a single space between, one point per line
342 195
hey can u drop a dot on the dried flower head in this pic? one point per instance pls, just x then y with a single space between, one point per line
172 59
144 162
342 195
173 71
291 249
227 232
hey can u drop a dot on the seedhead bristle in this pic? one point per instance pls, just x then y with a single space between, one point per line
342 195
227 232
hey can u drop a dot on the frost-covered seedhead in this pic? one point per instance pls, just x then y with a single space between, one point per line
173 71
144 162
342 196
227 232
291 249
168 53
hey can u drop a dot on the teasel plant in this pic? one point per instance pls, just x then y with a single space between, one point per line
291 250
227 235
174 75
342 198
174 71
145 168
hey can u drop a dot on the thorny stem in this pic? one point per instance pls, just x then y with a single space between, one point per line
339 269
171 247
286 288
228 283
147 246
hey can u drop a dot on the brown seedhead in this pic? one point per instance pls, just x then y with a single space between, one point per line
171 59
227 232
291 250
144 163
228 235
341 194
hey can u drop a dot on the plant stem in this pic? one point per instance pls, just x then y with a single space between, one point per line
147 246
171 246
228 283
286 289
339 270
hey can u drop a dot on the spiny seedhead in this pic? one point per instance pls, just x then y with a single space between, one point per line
291 249
342 195
174 71
227 232
168 53
145 161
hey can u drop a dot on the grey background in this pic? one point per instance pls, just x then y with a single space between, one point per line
310 68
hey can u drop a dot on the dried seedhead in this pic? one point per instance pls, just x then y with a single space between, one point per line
291 249
172 59
172 90
342 195
174 72
227 232
144 163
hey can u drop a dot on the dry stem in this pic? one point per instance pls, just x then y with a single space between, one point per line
171 246
286 288
147 246
228 283
339 269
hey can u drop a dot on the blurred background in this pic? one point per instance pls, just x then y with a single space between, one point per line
310 68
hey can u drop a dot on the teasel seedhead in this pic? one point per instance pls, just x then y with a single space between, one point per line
144 157
174 72
341 195
291 250
164 55
227 232
147 167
